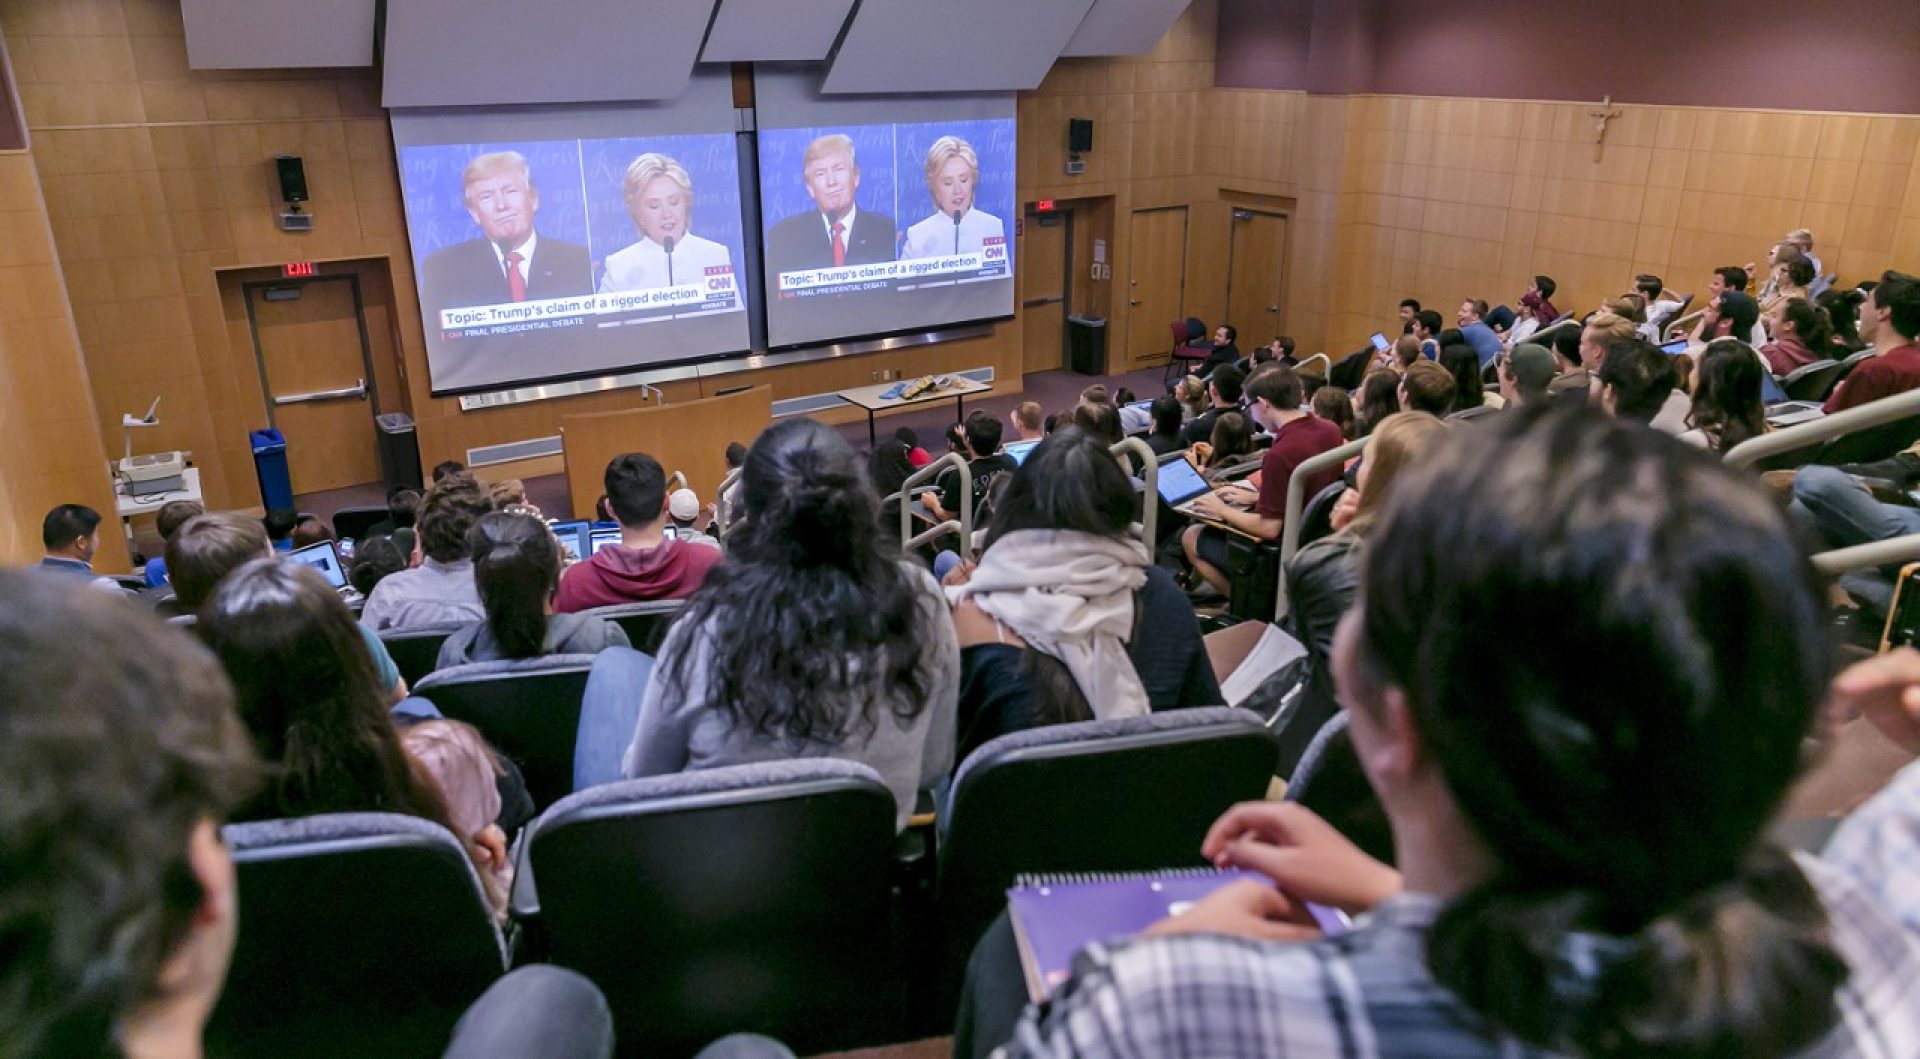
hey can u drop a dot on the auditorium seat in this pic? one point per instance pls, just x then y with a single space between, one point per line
752 898
417 650
1853 361
1316 519
354 522
1185 356
1812 382
1131 794
645 624
529 709
359 934
1329 781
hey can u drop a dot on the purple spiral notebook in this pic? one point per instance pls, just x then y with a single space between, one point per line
1055 916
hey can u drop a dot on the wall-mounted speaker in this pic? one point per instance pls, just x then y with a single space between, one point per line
1079 134
293 178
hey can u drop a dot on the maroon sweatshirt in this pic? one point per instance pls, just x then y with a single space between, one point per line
615 575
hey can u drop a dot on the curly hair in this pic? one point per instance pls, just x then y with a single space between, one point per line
117 740
448 510
811 609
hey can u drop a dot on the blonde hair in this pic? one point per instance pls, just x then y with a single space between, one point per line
831 143
493 163
648 166
1394 445
1607 326
950 147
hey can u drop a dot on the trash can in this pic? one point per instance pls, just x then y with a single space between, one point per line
399 451
270 465
1086 345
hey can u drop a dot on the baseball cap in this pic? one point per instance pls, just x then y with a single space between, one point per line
1532 366
684 505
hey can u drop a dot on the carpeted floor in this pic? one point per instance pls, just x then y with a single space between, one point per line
1055 390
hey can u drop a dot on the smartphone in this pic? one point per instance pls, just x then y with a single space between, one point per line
1903 617
1380 343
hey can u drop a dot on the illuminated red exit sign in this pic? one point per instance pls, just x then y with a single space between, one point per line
296 269
1043 206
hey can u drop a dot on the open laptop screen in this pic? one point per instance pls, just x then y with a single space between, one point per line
573 537
1179 482
323 558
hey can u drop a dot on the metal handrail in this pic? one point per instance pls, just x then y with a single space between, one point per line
1826 428
1891 552
358 389
1297 501
1561 324
722 507
1150 474
927 474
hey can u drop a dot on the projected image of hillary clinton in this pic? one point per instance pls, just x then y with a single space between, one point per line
953 178
659 195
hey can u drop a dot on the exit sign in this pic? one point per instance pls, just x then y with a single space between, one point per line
297 269
1043 206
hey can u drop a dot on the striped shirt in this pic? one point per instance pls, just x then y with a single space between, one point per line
1368 993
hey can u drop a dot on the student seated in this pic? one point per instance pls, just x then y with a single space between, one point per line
811 638
70 535
1890 322
1167 420
1231 442
1298 435
403 509
1554 691
646 564
1066 618
373 559
309 695
986 462
120 757
172 515
440 590
516 564
1727 404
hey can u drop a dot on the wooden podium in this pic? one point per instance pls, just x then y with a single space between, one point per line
690 437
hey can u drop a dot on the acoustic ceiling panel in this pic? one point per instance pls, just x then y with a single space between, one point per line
774 30
449 53
278 34
938 46
1124 27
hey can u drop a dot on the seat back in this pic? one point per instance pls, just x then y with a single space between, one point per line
417 650
1873 443
360 934
646 623
1180 335
1132 794
753 898
1812 382
1316 519
354 522
1329 781
1852 362
528 709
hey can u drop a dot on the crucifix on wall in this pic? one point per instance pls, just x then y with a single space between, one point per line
1600 118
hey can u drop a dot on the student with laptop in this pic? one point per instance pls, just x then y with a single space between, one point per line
646 563
985 461
1298 435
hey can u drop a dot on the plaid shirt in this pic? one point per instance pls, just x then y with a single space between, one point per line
1368 993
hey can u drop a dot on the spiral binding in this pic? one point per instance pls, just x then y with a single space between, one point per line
1071 878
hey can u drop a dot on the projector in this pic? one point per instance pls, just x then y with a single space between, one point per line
160 472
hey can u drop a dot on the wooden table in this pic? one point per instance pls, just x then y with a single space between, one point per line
868 397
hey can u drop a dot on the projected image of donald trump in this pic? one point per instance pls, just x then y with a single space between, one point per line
659 196
953 180
836 231
510 261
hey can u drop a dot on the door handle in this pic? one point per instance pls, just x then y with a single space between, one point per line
1273 308
1133 301
357 391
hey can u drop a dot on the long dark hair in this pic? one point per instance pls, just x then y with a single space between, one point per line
1464 365
1379 398
305 686
891 465
811 609
516 566
1663 648
1843 316
1727 405
1810 323
1070 481
1232 438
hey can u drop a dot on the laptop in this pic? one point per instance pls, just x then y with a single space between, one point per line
600 538
1019 449
324 558
573 536
1180 483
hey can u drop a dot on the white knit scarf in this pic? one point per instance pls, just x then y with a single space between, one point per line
1069 595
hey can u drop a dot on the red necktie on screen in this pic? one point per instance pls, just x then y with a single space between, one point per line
516 283
839 245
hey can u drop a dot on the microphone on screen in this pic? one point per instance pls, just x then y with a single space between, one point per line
667 245
957 214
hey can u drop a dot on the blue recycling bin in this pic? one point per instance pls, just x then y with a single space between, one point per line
270 465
